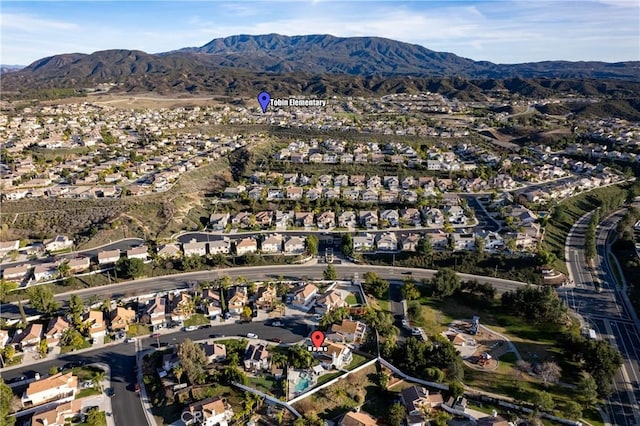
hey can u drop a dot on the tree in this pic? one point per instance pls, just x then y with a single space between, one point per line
130 268
456 389
549 372
96 417
330 274
98 378
6 395
178 371
347 245
396 414
573 410
374 284
76 309
300 357
6 287
72 338
41 298
588 390
312 244
445 283
64 270
543 401
8 353
193 360
246 313
410 291
43 348
425 246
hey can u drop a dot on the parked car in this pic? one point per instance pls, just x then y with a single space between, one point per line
137 387
252 336
155 335
275 339
191 328
131 340
277 324
110 391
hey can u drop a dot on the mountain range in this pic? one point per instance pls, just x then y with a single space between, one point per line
312 64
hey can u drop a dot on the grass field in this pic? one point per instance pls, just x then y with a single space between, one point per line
196 319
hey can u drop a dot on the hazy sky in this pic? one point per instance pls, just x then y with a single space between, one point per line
502 31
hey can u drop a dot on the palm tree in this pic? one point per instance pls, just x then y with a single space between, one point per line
279 359
64 270
178 371
98 378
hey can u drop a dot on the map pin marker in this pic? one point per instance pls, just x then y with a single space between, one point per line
317 337
263 99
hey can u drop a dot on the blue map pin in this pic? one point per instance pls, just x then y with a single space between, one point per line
263 99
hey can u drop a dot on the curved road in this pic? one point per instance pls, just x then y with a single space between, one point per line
596 297
288 272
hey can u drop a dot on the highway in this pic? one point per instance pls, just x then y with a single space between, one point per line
253 273
605 311
127 409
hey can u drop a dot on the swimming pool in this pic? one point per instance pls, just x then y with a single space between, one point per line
302 383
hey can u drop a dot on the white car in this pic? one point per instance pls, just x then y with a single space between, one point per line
131 340
406 324
252 335
191 328
416 331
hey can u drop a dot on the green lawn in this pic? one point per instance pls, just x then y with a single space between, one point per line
86 373
138 330
351 299
67 349
357 361
99 420
196 319
263 384
384 305
328 377
87 392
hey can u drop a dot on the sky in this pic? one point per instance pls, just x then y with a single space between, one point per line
500 31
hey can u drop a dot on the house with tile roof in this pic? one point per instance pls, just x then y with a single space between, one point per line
59 387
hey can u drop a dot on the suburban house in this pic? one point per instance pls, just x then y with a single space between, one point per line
140 252
218 221
368 218
156 311
54 330
237 299
493 420
256 357
363 242
208 412
326 220
349 331
169 251
330 301
411 217
97 326
387 241
409 242
215 352
347 219
303 219
264 218
195 248
59 387
305 295
120 318
16 273
266 296
211 302
294 245
58 415
30 337
390 217
246 245
272 244
79 264
106 257
45 271
181 306
60 242
463 241
222 246
417 401
336 356
7 246
358 418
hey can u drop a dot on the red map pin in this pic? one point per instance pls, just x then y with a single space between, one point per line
317 337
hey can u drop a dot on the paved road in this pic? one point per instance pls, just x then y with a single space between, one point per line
127 409
295 272
605 311
93 252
